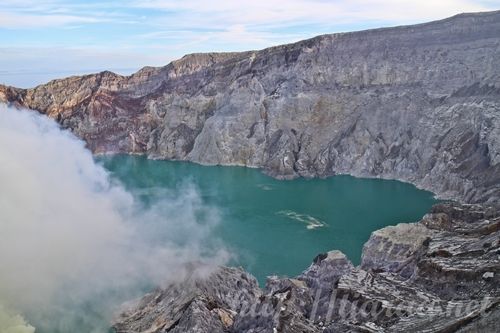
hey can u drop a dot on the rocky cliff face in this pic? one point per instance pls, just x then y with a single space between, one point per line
417 103
439 275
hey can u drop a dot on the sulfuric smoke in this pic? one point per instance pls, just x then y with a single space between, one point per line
74 244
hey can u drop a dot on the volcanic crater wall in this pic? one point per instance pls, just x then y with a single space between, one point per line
416 103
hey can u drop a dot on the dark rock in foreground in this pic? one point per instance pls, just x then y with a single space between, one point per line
416 103
441 274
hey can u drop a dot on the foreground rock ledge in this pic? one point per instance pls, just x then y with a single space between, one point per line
438 275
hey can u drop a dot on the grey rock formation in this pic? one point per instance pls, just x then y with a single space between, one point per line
423 277
197 305
416 103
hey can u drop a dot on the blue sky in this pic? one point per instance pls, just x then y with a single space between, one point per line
46 39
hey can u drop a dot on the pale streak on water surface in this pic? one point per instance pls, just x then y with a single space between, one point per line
311 221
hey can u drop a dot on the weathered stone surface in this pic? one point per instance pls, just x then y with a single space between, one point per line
198 304
417 103
326 269
282 308
452 286
395 248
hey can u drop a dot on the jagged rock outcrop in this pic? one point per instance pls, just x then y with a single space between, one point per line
198 304
441 274
417 103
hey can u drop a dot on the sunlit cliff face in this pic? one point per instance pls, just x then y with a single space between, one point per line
73 244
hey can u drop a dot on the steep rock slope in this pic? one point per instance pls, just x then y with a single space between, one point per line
438 275
417 103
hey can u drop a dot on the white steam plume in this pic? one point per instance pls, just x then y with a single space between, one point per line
74 244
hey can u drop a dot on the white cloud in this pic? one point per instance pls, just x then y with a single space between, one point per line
12 20
271 13
29 14
220 14
262 23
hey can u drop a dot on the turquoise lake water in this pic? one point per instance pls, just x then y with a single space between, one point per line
272 226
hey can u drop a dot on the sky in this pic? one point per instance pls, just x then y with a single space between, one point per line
46 39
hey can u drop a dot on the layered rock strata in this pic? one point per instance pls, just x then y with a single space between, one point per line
416 103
